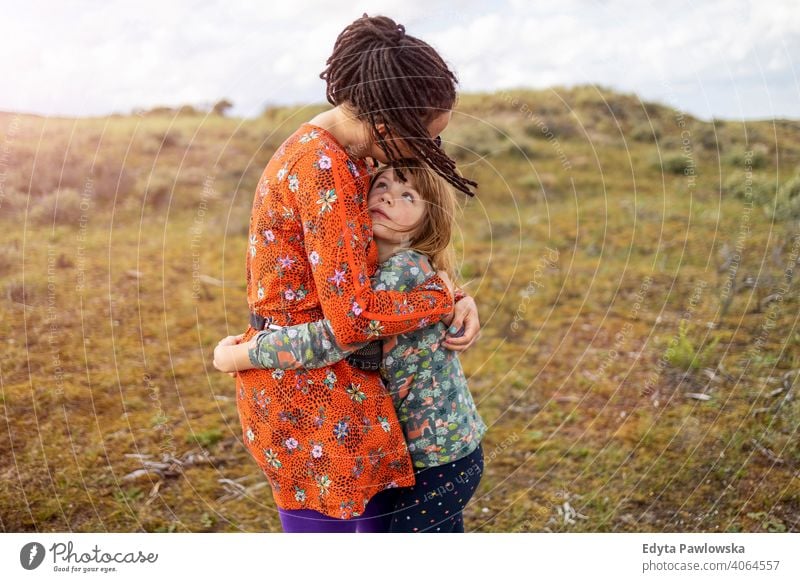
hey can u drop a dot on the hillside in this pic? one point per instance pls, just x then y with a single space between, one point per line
635 270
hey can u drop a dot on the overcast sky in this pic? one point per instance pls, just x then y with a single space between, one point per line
731 59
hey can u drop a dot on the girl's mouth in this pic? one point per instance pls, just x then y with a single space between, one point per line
381 212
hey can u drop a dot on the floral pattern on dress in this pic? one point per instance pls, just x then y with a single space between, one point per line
310 431
429 390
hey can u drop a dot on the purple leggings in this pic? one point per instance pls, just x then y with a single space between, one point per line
434 503
376 518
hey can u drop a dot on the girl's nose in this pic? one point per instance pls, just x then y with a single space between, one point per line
387 198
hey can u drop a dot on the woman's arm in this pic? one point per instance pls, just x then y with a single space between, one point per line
314 345
357 313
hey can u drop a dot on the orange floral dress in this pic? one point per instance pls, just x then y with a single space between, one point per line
327 439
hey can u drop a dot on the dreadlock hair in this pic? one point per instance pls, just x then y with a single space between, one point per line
386 76
432 235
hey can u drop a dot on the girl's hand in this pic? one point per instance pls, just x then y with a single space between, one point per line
224 358
231 340
466 316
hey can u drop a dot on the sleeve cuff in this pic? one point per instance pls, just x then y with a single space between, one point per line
252 353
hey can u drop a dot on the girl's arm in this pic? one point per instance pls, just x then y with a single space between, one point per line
330 207
305 345
314 345
231 356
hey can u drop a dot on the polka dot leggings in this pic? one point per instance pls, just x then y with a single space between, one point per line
434 504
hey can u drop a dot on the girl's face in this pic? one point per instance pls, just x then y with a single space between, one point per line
396 207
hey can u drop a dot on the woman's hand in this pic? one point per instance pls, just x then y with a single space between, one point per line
224 356
466 315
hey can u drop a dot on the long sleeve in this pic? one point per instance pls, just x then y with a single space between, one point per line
313 344
305 345
332 219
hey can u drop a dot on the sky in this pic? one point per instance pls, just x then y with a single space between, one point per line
734 59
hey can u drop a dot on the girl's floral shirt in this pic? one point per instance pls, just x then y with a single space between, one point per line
430 394
327 439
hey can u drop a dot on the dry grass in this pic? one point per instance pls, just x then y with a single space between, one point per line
584 249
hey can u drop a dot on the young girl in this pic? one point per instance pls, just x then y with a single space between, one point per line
412 211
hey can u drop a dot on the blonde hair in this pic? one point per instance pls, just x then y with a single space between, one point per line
433 235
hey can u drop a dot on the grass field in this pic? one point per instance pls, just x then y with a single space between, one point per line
636 271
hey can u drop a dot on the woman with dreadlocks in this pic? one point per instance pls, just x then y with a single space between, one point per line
328 438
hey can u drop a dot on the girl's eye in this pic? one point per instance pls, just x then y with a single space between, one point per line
410 196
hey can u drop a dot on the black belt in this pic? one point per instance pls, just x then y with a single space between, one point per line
258 323
367 358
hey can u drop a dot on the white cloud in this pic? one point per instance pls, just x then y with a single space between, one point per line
91 59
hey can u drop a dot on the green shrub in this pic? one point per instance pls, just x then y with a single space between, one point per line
685 355
791 189
675 163
761 191
207 438
522 150
787 206
529 182
476 139
644 133
62 206
551 127
740 159
708 138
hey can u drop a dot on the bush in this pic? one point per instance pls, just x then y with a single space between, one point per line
60 207
787 207
207 438
291 115
165 111
708 138
644 133
158 186
12 203
791 189
529 182
522 150
476 139
78 170
761 191
162 142
557 127
685 355
676 163
739 157
9 261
